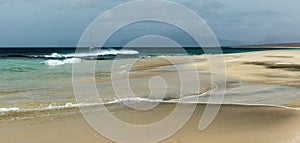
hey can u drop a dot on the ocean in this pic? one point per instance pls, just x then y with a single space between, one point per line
41 78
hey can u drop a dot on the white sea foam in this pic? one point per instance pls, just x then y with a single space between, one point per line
62 62
94 53
9 109
54 62
54 55
51 106
69 105
117 52
103 53
72 61
125 100
74 105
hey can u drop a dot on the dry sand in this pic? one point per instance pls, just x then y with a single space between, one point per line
273 67
233 124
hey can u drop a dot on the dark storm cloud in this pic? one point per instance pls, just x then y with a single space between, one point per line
61 22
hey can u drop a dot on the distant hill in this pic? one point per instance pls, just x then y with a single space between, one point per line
225 42
279 45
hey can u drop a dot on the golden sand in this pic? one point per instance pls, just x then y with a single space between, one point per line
273 67
233 124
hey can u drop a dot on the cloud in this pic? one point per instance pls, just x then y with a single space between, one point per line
29 21
208 9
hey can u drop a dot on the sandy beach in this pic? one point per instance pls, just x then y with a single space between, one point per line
234 124
246 72
272 67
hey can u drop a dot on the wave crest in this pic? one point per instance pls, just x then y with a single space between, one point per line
62 62
94 53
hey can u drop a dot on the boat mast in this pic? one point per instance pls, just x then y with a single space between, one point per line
91 41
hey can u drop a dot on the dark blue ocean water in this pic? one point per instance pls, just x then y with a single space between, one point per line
60 52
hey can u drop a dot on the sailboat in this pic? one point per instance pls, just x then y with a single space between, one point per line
91 42
92 46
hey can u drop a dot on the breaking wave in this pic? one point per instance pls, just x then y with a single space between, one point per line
62 62
94 53
89 54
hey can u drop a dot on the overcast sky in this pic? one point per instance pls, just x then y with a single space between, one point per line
62 22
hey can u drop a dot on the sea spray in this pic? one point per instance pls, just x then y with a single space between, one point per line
93 53
62 62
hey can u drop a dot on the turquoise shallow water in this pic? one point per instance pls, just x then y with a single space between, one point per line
39 77
31 79
26 82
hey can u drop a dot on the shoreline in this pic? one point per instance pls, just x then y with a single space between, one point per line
274 77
